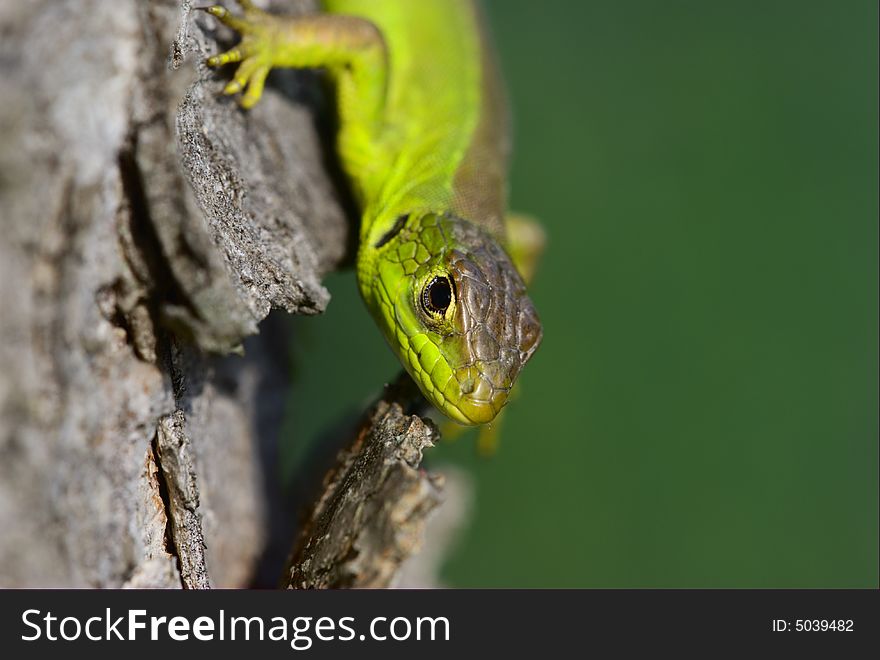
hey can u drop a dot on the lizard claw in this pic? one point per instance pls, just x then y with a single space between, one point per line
253 52
221 13
232 55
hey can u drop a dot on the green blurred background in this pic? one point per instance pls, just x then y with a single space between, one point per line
704 409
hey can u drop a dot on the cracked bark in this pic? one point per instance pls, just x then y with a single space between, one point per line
371 513
149 226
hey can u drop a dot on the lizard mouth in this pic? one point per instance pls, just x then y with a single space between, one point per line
485 385
480 400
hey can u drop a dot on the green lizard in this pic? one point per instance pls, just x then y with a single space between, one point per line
423 139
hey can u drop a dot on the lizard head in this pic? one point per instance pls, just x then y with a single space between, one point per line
455 310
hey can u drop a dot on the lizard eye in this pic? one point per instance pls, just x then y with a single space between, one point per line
437 296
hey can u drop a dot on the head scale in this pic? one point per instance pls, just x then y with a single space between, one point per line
455 310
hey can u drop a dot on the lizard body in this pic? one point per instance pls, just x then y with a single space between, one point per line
423 139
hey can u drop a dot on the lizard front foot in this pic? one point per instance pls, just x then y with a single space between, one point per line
258 30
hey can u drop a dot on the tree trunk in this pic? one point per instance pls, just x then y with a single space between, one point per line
149 226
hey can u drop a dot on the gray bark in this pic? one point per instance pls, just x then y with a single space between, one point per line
149 226
374 504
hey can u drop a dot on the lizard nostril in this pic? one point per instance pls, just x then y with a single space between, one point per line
530 333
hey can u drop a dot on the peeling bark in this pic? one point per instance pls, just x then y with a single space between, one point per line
374 504
173 452
149 226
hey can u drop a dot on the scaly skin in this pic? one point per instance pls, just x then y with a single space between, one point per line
423 140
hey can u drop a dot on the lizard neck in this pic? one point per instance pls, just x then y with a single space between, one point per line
442 145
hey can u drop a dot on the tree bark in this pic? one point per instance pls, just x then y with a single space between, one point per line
149 226
374 504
